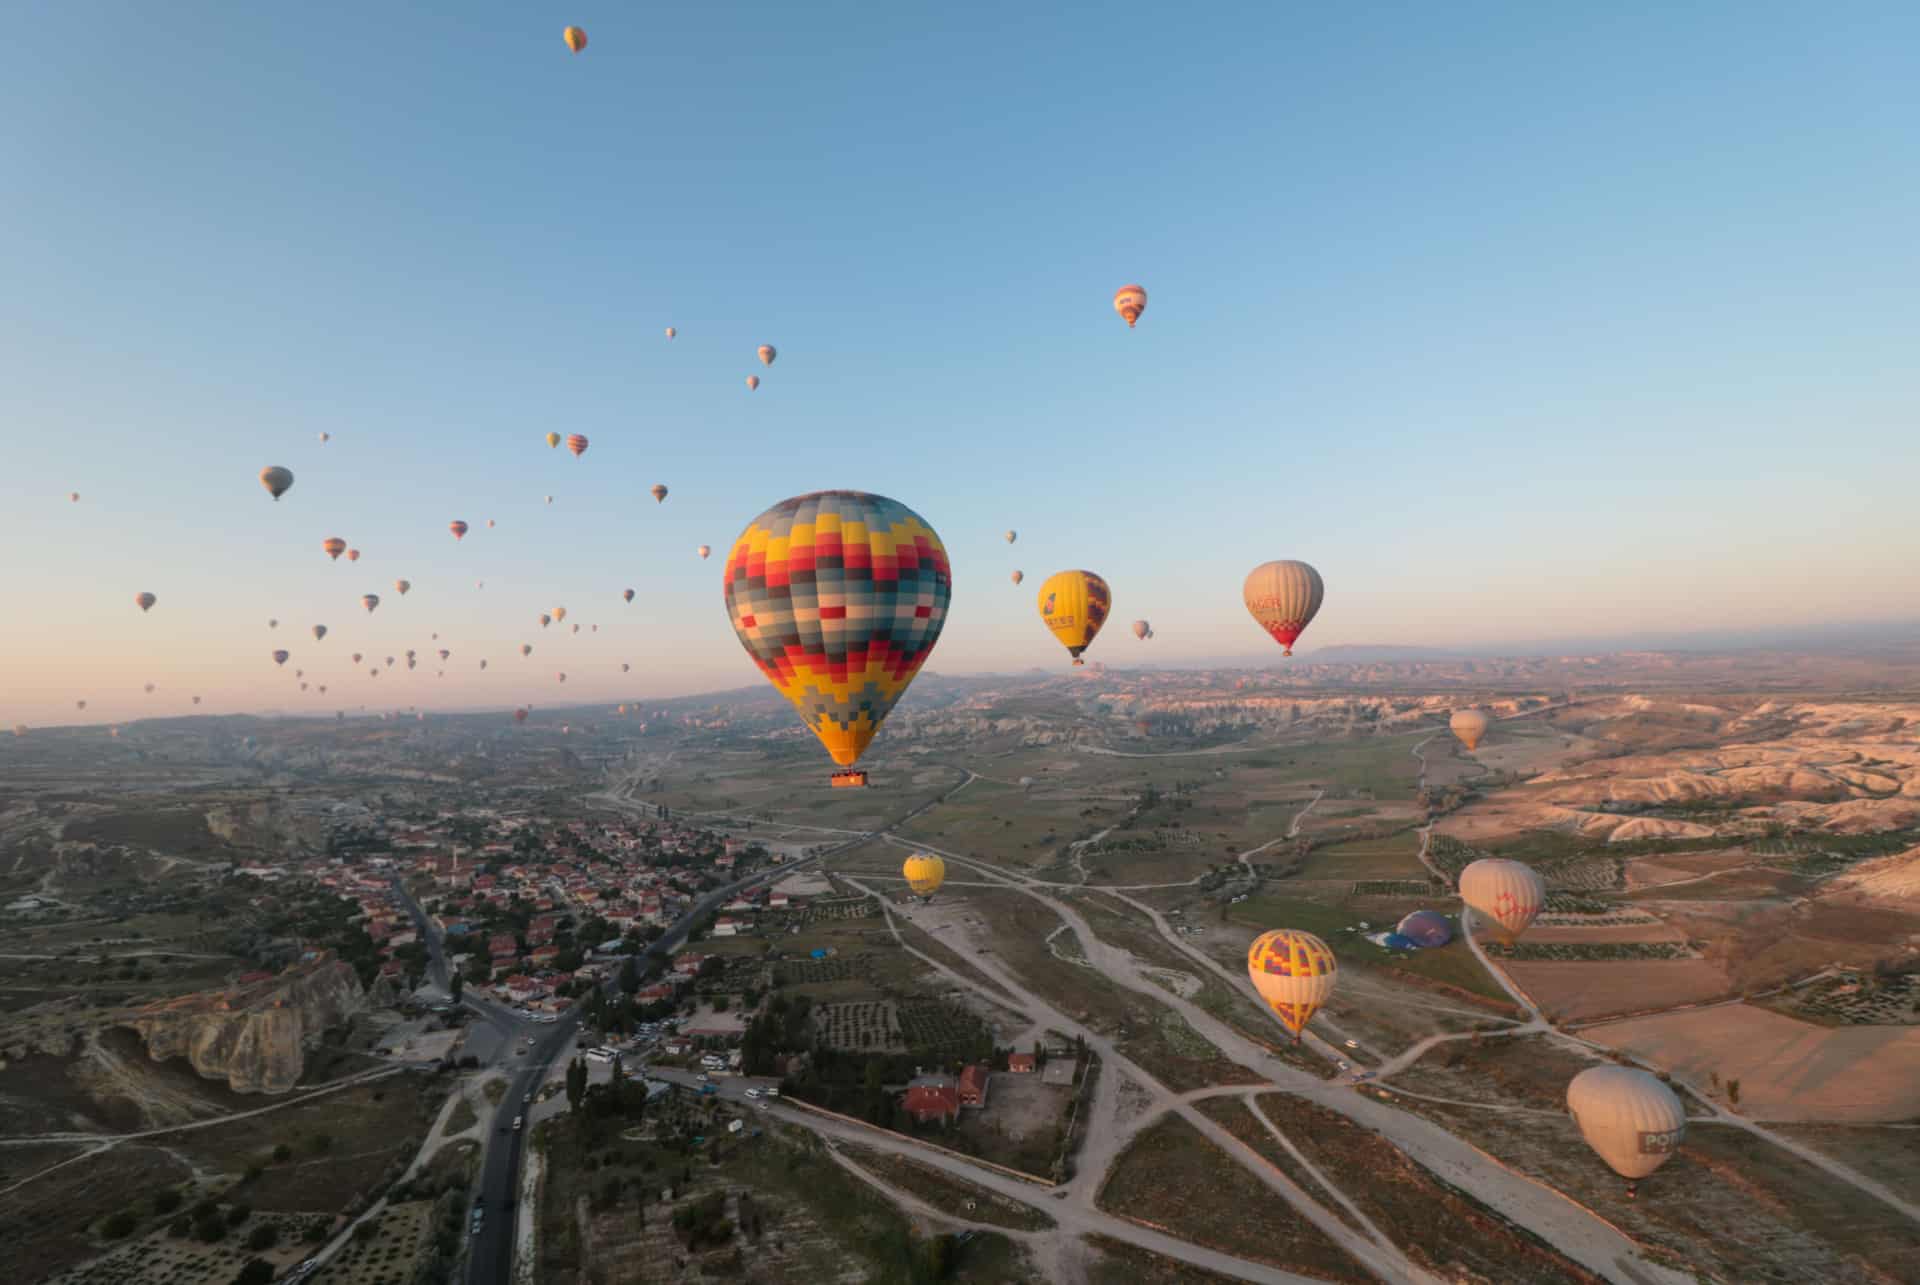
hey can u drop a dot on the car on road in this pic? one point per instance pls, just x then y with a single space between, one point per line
1343 1064
753 1095
529 1098
1353 1044
772 1091
518 1121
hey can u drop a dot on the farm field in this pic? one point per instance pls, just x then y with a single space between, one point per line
49 1221
943 1191
1788 1069
1584 990
1394 857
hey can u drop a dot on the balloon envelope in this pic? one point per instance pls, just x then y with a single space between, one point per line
925 873
145 601
1130 302
576 38
1630 1119
333 547
1283 597
276 480
766 354
1426 929
1507 892
1469 725
1294 972
1018 576
627 594
703 551
577 443
553 439
839 598
659 493
1142 630
753 382
1074 605
458 528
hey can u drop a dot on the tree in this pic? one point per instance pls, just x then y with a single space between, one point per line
166 1200
576 1083
258 1271
119 1224
1733 1092
263 1236
629 974
455 986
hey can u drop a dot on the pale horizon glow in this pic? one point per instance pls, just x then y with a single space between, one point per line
1517 326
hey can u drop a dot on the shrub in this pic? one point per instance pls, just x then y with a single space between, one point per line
282 1153
263 1236
166 1200
258 1271
239 1214
180 1226
210 1229
118 1224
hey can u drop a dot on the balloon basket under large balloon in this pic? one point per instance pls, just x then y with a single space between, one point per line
849 780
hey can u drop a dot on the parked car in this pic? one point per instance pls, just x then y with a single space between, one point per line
518 1121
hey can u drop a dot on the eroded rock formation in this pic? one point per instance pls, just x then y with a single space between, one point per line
255 1034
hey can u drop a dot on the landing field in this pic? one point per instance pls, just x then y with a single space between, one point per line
1583 990
1788 1070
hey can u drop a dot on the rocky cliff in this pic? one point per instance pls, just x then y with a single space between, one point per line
254 1036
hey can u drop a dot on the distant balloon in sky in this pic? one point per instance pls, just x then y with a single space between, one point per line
1018 576
325 438
145 601
80 704
627 594
333 546
553 440
150 690
1130 302
73 497
276 480
880 587
576 629
1507 892
1294 972
458 528
1074 605
483 664
559 613
519 715
577 443
671 332
767 354
1469 725
1283 598
280 657
563 678
273 624
319 632
401 586
753 382
19 729
659 492
704 551
370 601
353 555
1012 536
576 39
1142 630
489 524
444 653
1630 1119
526 649
356 657
549 499
625 667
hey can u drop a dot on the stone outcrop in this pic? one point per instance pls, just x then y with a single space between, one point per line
254 1035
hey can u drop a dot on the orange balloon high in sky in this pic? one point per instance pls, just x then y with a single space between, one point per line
576 39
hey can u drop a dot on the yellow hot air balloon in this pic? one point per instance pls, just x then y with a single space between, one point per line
559 613
1130 302
1074 605
1283 597
1630 1119
1469 725
553 439
1294 972
1507 892
839 597
276 480
925 873
576 38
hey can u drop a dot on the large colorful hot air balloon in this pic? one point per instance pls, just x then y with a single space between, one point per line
925 873
704 551
767 354
553 440
333 546
144 601
280 657
1630 1119
276 480
369 601
319 632
1469 725
1074 604
1507 892
577 443
576 38
753 382
1142 630
1283 597
1018 576
458 528
1130 302
659 492
839 597
1294 972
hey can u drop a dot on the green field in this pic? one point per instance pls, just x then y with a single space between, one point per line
1451 965
1394 857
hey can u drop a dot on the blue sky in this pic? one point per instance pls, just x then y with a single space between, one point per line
1516 324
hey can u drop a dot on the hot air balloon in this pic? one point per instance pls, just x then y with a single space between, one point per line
489 524
545 620
353 555
1142 630
80 704
1283 597
273 623
411 664
625 667
145 601
1469 725
627 594
576 38
1507 892
659 492
703 551
19 729
577 443
323 689
73 497
303 687
369 601
410 655
553 440
767 354
1018 576
576 629
444 653
1012 536
401 586
563 678
1426 929
325 438
1130 302
595 629
671 332
458 528
753 382
925 873
150 689
483 664
356 657
549 499
1630 1119
276 480
526 649
1074 605
333 546
114 732
519 715
874 584
559 613
1294 972
319 632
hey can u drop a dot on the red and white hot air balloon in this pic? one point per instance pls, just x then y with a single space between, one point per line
458 528
577 443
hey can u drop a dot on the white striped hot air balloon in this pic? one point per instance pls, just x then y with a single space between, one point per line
1283 598
1630 1119
1506 892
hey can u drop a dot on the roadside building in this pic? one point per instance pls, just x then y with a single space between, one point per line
932 1097
973 1086
1022 1063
